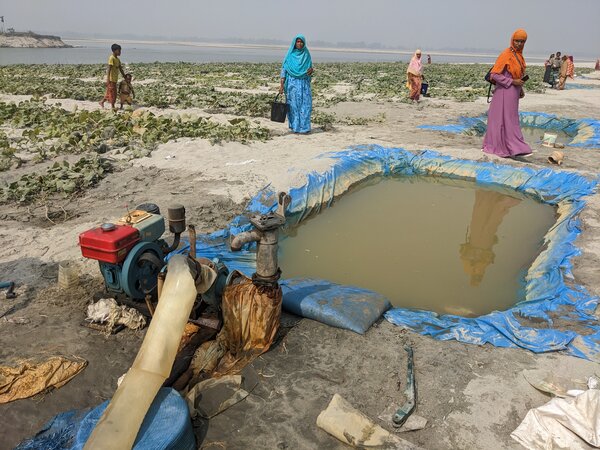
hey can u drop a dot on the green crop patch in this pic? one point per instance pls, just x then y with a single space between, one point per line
61 178
44 132
198 85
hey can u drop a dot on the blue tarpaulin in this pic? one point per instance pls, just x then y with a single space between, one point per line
584 133
530 324
580 86
167 425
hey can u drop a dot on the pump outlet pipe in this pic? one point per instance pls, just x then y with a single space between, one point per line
266 236
119 425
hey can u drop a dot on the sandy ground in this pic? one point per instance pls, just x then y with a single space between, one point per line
473 397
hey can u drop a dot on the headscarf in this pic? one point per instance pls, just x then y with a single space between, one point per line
511 58
296 61
570 67
415 66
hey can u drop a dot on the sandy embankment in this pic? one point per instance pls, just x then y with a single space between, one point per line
32 41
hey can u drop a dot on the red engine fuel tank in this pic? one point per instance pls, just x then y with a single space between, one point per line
109 243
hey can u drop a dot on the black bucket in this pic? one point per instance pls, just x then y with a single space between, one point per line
278 110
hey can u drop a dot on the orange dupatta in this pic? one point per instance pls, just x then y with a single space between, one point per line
512 59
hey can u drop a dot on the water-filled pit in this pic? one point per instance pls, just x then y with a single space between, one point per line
583 133
449 246
533 136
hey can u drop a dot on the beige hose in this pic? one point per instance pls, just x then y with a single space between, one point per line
119 425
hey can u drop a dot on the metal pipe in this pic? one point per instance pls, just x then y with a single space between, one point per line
148 299
175 243
192 233
266 234
266 258
161 282
10 288
238 241
403 413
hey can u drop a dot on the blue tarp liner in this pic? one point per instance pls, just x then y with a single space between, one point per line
530 324
580 86
167 426
583 132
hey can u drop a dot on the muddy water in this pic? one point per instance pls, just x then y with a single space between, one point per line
533 136
427 243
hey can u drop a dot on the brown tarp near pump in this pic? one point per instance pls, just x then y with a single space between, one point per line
28 379
251 317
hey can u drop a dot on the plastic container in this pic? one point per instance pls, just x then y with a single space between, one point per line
68 274
549 139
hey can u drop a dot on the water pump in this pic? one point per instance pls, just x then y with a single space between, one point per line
131 250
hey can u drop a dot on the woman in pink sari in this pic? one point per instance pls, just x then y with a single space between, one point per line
414 75
503 136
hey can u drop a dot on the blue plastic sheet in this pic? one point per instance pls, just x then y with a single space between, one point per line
530 324
580 86
584 133
167 425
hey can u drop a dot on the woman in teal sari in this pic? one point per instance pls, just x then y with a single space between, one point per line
295 80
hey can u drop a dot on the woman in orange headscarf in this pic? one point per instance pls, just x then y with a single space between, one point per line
504 137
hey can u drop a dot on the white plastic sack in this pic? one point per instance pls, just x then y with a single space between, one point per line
572 423
352 427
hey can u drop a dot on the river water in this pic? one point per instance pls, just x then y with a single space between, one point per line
91 52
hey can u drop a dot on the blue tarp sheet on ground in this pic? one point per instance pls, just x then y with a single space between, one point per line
584 133
530 324
167 425
580 86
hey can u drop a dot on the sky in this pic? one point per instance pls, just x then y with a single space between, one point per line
572 27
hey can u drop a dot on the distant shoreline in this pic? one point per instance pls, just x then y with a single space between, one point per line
29 39
284 47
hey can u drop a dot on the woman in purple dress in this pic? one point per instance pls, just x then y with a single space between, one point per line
503 136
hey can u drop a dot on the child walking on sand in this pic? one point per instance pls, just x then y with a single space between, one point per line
126 93
112 76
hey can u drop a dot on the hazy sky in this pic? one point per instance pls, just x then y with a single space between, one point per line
571 26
